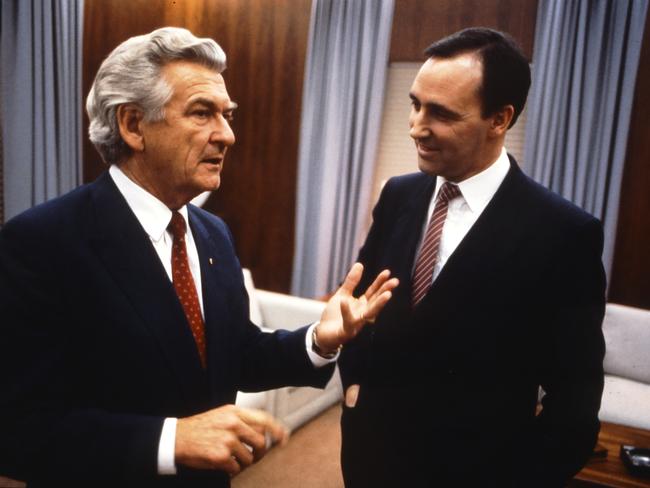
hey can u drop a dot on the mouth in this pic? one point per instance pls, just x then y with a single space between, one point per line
426 151
215 160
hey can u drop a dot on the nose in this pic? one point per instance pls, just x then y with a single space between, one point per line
418 128
222 133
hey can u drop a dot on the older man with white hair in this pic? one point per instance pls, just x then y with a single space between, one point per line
125 333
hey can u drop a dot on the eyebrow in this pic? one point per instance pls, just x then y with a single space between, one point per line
437 108
210 104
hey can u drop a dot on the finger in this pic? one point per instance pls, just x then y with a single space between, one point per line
375 303
271 426
386 286
242 455
254 437
379 281
346 313
230 466
259 452
373 309
352 279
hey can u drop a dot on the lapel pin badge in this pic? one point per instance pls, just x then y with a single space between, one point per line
211 261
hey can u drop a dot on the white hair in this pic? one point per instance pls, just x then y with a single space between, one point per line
131 74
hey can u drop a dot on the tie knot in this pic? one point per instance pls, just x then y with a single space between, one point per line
448 192
177 225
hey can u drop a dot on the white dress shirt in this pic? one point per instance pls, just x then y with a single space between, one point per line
464 211
154 216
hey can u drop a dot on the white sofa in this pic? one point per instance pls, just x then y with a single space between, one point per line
626 398
293 406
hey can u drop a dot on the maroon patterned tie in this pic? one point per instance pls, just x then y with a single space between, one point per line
184 284
426 260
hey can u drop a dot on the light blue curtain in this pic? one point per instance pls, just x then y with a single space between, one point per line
585 62
342 102
41 100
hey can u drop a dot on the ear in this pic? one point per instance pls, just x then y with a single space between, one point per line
129 120
501 120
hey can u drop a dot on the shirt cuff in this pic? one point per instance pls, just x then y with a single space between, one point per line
166 447
316 359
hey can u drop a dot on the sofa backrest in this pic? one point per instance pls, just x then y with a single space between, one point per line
255 309
627 338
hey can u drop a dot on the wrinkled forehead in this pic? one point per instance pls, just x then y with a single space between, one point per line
189 80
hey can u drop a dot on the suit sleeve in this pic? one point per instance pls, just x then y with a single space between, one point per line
278 359
46 429
572 373
269 360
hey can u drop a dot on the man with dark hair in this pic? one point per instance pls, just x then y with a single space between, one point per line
125 331
502 293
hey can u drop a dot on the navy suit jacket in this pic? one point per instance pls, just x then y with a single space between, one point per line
96 350
449 388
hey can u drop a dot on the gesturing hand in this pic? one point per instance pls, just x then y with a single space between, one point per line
220 438
345 315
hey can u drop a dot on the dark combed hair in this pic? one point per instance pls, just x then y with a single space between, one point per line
506 73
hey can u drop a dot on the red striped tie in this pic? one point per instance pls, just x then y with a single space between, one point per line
184 284
423 275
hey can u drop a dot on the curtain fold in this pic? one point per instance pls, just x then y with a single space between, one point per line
585 61
41 109
341 116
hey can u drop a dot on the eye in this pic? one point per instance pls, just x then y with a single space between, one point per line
201 113
441 116
415 104
229 116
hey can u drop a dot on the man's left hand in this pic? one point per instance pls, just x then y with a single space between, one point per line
344 316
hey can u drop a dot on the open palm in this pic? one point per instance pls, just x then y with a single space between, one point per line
344 316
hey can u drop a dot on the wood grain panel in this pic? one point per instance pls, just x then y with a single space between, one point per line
630 279
418 23
266 43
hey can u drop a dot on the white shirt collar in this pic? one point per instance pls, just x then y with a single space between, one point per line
153 215
479 189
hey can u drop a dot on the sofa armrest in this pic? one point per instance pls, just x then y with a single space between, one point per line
280 311
625 402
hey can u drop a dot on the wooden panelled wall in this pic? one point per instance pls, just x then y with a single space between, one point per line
418 23
266 43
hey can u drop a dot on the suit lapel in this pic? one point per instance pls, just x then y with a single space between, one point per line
215 299
483 250
129 257
404 240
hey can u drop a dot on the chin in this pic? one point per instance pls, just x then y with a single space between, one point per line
212 183
429 167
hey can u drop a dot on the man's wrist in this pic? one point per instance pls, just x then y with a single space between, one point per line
318 349
316 360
